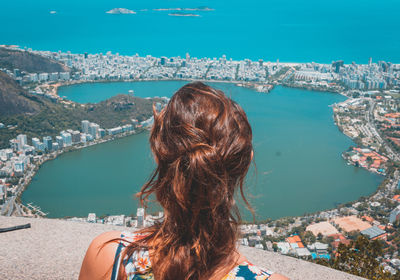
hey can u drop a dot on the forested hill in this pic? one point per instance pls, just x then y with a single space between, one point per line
36 116
14 99
52 118
29 62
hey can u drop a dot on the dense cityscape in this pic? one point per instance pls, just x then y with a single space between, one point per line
369 116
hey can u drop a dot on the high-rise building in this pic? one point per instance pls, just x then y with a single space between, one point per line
43 77
93 130
140 217
67 138
55 145
39 146
53 76
14 144
47 141
223 59
163 60
6 154
19 166
60 142
336 65
23 140
102 133
35 142
76 136
384 66
64 76
85 126
187 58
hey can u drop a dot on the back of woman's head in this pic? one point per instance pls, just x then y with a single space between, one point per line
202 145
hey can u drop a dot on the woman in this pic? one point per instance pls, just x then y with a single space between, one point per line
202 145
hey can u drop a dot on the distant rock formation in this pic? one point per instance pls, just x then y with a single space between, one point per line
180 14
200 9
120 11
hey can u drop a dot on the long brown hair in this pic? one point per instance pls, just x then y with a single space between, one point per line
202 144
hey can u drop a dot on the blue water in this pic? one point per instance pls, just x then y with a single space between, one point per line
291 30
297 153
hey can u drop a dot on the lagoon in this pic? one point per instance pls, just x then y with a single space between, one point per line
299 168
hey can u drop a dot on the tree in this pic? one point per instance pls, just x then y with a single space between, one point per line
309 237
353 234
360 258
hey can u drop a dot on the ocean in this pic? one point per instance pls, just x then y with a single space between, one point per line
291 30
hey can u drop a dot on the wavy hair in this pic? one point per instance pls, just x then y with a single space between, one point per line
202 144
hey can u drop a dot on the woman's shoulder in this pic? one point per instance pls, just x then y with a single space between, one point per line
100 255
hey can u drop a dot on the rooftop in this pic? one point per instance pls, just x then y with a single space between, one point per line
54 249
373 232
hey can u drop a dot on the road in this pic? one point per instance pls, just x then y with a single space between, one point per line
8 207
371 124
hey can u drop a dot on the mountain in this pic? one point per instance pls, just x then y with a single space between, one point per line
29 62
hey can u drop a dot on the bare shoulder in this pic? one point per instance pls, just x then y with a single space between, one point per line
276 276
99 257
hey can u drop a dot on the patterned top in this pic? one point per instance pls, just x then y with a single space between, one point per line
138 266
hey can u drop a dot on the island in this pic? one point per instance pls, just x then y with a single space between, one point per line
200 9
120 11
180 14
